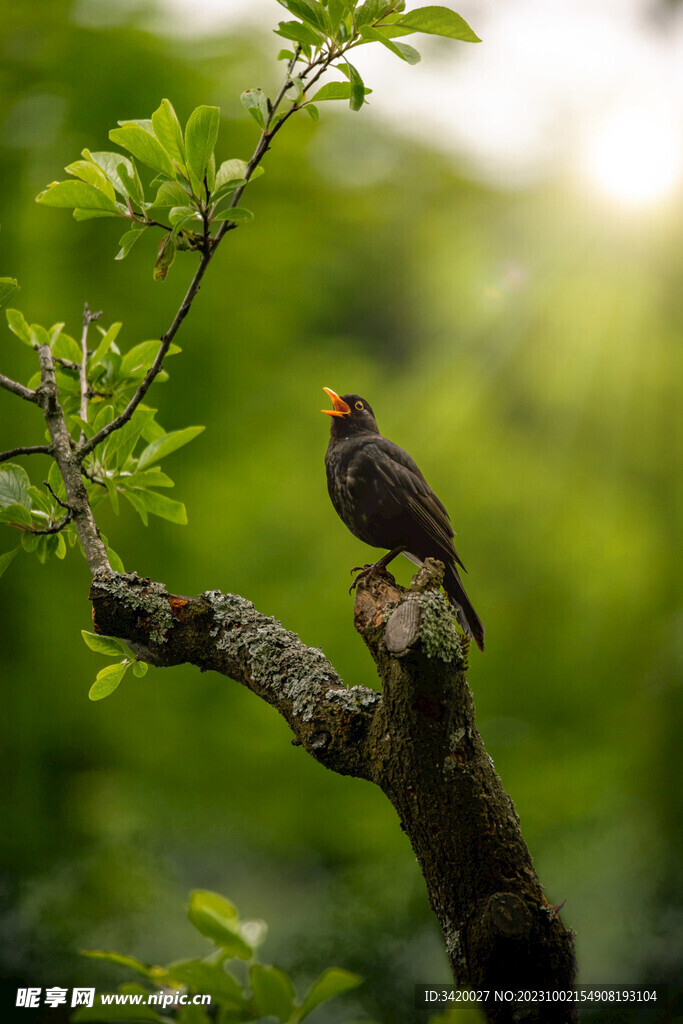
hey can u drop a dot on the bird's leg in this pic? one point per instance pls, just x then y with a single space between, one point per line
367 570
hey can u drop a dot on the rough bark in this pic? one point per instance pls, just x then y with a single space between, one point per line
417 741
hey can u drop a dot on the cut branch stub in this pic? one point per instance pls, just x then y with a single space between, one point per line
427 756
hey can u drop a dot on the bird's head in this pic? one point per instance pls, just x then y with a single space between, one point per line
351 415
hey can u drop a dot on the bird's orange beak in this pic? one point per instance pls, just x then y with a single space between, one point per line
340 406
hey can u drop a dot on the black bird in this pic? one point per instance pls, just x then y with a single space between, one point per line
383 498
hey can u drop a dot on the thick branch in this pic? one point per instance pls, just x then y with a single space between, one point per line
417 741
225 633
36 449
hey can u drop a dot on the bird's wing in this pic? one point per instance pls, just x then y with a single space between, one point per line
401 483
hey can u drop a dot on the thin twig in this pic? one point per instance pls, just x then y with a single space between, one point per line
209 247
19 389
88 318
36 449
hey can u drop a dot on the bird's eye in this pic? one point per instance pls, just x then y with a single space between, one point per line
359 406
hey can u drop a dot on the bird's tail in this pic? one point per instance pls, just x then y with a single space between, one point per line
465 613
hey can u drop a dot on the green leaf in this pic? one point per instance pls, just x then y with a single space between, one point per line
8 286
237 214
107 680
17 325
165 258
256 102
171 193
168 131
357 88
120 959
108 338
7 558
438 21
160 505
14 484
230 170
184 213
371 10
335 91
109 162
402 50
167 444
201 134
79 194
109 645
16 515
212 979
331 982
216 918
140 668
309 11
312 111
30 541
89 172
128 240
131 182
138 359
298 33
144 146
273 992
148 478
114 560
67 348
61 546
39 336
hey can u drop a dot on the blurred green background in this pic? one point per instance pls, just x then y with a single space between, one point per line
524 347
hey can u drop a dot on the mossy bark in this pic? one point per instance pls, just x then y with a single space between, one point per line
417 741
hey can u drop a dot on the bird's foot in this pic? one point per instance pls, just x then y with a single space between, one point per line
363 572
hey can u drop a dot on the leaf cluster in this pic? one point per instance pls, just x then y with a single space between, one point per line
124 465
242 989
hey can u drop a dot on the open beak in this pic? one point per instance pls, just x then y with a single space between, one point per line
340 406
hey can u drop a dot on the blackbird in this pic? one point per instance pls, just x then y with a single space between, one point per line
382 497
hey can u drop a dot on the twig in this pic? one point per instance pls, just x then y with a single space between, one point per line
36 449
19 389
88 318
209 246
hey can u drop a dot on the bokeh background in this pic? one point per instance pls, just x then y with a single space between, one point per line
513 314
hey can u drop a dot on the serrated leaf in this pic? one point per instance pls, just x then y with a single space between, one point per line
167 444
17 325
438 21
7 558
109 645
8 286
14 484
107 680
168 131
332 982
273 992
201 135
145 147
80 194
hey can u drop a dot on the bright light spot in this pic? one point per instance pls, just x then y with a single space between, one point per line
636 157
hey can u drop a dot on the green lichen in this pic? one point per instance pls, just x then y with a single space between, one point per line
438 632
143 597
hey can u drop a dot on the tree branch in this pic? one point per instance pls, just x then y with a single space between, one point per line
417 741
225 633
36 449
88 318
18 389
